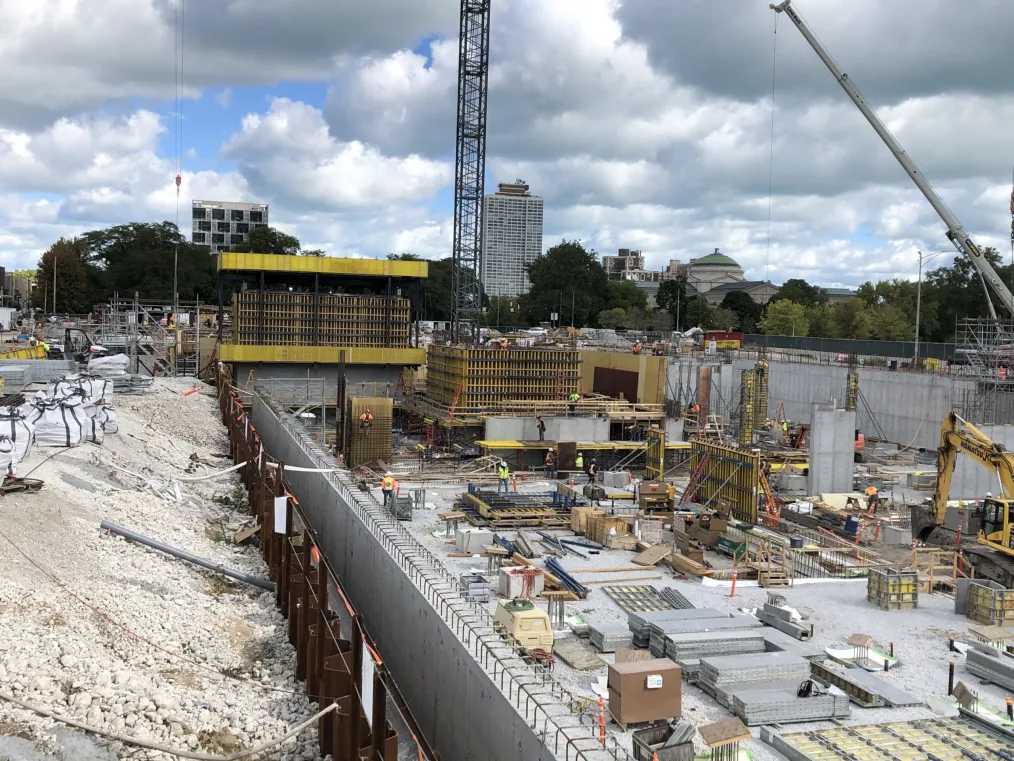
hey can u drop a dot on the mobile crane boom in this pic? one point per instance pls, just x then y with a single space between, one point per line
956 232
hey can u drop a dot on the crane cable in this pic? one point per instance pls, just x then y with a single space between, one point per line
178 48
771 143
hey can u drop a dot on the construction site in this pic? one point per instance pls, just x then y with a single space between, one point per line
293 525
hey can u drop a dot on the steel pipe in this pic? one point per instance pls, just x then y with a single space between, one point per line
183 555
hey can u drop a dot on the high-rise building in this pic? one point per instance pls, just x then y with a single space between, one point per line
511 238
224 224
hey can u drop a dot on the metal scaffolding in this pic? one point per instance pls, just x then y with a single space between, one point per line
987 346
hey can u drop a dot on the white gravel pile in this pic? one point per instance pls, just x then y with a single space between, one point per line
57 653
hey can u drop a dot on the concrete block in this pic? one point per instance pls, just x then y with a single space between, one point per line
472 539
615 479
832 448
897 536
512 582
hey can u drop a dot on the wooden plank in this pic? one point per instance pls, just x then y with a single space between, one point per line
242 536
576 654
685 564
607 570
653 555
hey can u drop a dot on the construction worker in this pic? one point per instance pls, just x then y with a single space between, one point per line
785 426
574 399
637 347
593 471
579 462
550 464
873 498
387 486
695 409
504 474
365 420
541 425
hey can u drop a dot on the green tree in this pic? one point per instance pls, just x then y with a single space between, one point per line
672 297
616 318
697 313
624 294
720 318
318 252
75 280
140 258
785 318
890 323
800 292
28 275
567 279
268 240
746 309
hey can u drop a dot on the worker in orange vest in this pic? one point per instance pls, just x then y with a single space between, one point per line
872 497
366 420
387 486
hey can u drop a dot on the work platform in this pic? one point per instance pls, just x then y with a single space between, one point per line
593 446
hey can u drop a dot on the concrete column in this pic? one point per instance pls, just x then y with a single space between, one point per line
832 447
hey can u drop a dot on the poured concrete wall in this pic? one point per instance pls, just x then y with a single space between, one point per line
832 437
970 479
355 375
907 406
459 709
557 429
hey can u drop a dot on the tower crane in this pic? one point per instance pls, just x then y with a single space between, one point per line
956 232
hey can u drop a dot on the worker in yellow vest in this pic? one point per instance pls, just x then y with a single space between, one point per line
387 486
579 462
504 474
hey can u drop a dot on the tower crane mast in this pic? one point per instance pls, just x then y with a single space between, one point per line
956 232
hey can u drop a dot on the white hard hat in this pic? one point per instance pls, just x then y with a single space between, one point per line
389 473
989 494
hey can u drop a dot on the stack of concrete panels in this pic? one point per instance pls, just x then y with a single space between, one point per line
679 647
783 706
640 623
761 667
990 664
778 641
15 377
661 631
781 618
609 638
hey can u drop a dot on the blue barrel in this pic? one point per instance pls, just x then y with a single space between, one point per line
851 525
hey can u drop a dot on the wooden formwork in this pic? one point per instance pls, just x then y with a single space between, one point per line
268 318
367 446
469 378
728 475
654 461
332 657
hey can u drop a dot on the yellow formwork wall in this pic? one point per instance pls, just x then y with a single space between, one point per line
729 475
651 372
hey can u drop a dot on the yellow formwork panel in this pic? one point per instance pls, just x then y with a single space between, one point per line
321 355
730 475
31 352
321 265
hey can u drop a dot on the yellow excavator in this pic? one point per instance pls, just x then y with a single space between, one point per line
988 522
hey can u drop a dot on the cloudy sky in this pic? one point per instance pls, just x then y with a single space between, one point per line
643 123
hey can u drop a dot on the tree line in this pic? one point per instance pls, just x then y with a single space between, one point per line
139 257
567 279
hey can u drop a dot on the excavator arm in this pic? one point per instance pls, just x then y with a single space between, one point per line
960 436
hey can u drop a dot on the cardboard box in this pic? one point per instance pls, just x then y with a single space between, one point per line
645 690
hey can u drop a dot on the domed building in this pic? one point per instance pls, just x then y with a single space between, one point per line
715 275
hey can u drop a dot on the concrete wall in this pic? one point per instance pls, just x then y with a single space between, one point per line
458 707
907 406
557 429
832 437
355 375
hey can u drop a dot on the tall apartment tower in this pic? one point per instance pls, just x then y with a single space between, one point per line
511 238
224 224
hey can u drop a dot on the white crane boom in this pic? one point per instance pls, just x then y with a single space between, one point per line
956 232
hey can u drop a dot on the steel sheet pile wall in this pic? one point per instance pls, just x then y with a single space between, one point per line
368 445
472 696
729 475
268 318
488 377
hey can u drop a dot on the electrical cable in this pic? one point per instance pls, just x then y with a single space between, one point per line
163 748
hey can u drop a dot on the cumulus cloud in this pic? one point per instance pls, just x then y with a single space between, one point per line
642 123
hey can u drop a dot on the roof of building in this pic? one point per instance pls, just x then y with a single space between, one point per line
716 258
840 292
741 285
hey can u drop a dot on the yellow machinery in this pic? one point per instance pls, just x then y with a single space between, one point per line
525 623
994 523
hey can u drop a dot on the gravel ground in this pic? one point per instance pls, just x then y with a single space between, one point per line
58 653
836 608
